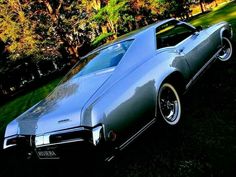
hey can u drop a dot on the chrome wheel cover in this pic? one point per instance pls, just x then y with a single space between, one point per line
169 104
226 51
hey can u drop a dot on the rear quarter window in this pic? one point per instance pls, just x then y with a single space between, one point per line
171 34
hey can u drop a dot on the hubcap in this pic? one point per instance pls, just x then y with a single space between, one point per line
169 104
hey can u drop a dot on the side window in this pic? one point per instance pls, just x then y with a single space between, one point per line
171 34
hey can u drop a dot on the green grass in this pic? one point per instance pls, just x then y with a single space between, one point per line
13 108
224 12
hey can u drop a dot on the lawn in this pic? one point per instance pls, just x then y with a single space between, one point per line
204 143
13 108
224 12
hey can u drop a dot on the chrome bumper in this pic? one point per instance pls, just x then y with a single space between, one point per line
49 143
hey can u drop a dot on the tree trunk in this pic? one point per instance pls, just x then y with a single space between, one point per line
202 5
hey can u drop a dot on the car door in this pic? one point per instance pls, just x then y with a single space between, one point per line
195 49
187 41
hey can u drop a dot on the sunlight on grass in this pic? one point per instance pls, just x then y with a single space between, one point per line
226 12
220 6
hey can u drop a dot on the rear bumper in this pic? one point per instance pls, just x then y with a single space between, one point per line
56 145
75 150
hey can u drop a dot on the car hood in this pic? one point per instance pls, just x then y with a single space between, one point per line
61 109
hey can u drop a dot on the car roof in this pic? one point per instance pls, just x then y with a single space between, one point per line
131 35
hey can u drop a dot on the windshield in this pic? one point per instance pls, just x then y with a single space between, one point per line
99 60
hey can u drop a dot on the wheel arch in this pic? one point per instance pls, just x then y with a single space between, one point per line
177 80
225 32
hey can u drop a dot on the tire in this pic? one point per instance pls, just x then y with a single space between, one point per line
169 104
227 50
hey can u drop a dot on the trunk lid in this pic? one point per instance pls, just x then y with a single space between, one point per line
62 108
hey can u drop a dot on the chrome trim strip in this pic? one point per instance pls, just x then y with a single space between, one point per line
47 158
106 70
47 137
126 143
63 142
5 146
202 69
108 159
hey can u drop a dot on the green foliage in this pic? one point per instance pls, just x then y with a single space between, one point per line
110 15
100 39
68 25
16 30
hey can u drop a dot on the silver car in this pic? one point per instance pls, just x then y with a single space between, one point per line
119 90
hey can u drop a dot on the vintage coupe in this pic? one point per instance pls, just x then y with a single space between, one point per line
119 90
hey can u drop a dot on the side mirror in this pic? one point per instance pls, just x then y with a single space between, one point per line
198 28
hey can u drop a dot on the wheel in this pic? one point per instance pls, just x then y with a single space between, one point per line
169 104
226 51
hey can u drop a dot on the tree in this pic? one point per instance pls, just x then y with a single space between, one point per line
210 1
142 10
174 8
201 2
109 16
69 26
63 26
16 29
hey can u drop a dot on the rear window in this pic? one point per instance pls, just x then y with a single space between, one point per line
102 59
